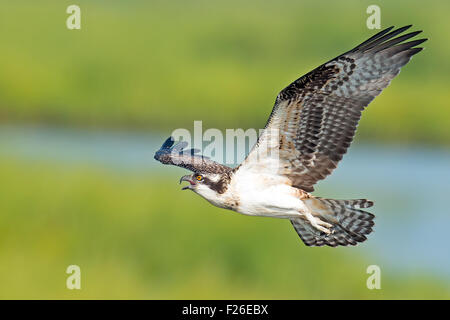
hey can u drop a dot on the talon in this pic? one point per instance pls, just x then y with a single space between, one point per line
323 223
327 231
319 224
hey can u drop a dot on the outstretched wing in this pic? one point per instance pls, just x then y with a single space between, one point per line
187 158
315 117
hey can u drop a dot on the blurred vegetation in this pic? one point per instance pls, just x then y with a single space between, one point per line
139 236
162 64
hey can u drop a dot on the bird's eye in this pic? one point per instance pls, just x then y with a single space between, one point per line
199 178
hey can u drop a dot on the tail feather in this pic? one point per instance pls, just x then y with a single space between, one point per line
350 224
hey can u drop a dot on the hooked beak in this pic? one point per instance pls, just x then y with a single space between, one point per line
187 178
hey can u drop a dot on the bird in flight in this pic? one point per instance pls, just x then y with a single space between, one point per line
309 130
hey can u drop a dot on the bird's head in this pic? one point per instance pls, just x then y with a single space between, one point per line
208 185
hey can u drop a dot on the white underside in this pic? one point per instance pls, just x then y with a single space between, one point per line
267 195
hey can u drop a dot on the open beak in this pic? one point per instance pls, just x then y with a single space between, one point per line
187 178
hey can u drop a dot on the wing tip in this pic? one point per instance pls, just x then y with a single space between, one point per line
166 147
168 143
386 39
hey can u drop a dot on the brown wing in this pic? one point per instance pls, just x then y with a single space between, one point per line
187 158
317 115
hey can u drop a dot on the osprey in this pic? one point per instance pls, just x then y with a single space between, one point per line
309 130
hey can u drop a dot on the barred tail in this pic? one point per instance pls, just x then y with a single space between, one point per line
350 225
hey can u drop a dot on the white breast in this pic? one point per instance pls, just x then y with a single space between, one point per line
264 195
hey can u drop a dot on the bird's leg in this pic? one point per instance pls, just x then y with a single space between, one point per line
317 223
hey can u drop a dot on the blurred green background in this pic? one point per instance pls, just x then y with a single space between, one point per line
82 112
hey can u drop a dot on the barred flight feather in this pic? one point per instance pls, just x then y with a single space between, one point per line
350 225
